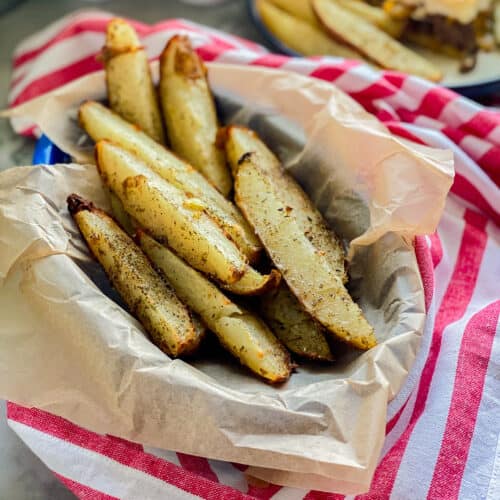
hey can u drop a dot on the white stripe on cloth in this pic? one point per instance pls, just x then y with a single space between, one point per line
287 493
494 136
474 146
458 112
59 55
300 66
417 465
229 475
169 456
357 78
410 95
450 233
40 38
95 470
479 475
236 56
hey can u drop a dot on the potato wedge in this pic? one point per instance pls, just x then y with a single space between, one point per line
244 335
148 297
376 16
169 214
255 283
118 211
239 141
201 332
131 92
293 326
371 42
189 111
101 123
315 280
301 9
300 35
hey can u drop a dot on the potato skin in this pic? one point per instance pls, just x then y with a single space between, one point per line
148 297
243 334
169 214
103 124
189 111
293 326
278 209
131 92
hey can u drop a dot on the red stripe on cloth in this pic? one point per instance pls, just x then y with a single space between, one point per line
473 359
436 249
83 492
466 190
434 102
74 28
263 493
426 268
210 51
320 495
453 307
330 72
454 134
400 130
482 123
198 465
377 90
490 163
57 78
122 453
270 60
394 420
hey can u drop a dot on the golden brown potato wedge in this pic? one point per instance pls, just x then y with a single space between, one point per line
300 35
293 326
131 92
148 297
313 277
189 111
119 214
244 335
371 42
255 283
376 16
101 123
169 214
239 141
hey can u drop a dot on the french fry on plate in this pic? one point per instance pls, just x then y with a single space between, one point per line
148 297
300 35
131 92
243 334
371 42
189 111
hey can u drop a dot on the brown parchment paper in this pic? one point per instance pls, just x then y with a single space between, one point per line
68 347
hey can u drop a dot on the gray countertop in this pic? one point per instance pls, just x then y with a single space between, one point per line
22 475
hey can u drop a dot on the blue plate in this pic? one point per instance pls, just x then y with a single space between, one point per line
484 80
47 153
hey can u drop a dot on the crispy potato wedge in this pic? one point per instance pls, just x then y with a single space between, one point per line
148 297
371 42
118 211
293 326
169 214
255 283
201 332
315 280
101 123
131 92
496 20
240 141
189 111
376 16
300 35
244 335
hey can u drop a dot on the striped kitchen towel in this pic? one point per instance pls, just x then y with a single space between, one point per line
442 434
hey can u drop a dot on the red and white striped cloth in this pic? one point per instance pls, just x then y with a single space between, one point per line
443 427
